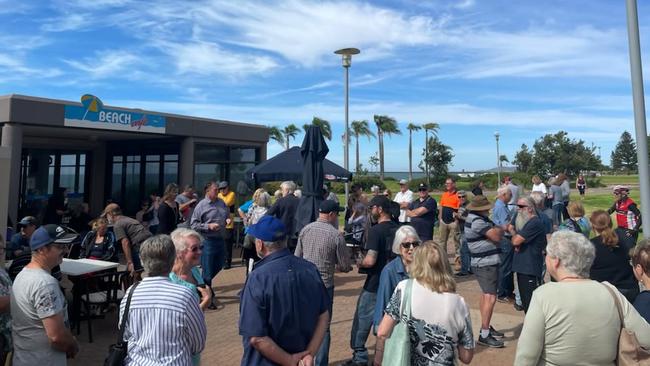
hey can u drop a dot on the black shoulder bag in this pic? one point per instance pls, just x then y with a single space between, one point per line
117 352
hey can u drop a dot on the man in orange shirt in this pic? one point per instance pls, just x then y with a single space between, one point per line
228 197
449 203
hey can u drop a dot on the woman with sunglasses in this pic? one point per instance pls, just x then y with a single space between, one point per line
438 320
404 244
188 257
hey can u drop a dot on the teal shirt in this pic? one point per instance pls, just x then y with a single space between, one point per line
196 359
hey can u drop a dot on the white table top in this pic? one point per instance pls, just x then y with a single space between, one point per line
78 267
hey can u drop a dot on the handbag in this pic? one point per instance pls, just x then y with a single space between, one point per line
398 346
117 352
630 351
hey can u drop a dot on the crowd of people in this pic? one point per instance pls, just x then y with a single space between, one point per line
179 243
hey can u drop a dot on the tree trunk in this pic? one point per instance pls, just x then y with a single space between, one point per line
410 155
357 169
426 154
381 155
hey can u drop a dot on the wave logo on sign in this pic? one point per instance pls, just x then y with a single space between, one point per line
92 114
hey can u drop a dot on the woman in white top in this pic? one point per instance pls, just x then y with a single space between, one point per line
538 185
439 321
574 321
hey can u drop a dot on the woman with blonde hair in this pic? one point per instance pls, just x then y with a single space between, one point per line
612 263
168 213
538 185
577 221
99 243
438 319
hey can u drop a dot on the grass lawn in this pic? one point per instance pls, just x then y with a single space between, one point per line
619 179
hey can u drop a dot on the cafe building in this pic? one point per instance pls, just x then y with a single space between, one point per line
101 153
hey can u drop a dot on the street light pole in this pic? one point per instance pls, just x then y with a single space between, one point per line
496 135
639 109
346 55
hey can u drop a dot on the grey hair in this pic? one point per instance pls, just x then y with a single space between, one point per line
502 190
575 252
263 200
297 193
180 236
404 232
529 201
538 197
158 255
289 185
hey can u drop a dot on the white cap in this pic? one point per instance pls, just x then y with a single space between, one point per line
403 181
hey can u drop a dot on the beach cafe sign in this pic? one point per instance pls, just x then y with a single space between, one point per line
92 114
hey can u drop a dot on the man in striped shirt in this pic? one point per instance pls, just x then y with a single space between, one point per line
323 245
165 324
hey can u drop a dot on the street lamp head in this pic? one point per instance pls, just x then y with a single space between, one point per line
346 54
496 134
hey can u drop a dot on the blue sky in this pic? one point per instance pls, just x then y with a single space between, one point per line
523 68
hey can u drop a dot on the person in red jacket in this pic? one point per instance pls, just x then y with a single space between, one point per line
628 216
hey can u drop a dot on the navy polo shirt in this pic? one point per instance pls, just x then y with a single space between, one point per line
282 299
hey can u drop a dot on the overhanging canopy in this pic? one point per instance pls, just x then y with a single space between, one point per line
288 165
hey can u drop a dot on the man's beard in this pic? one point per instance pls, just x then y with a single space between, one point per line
521 220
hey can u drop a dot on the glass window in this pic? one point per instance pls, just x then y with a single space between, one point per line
82 177
82 159
151 174
133 158
116 184
171 157
69 159
153 157
203 173
67 177
238 181
242 154
131 201
210 153
170 172
117 158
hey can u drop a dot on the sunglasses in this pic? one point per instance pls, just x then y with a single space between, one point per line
196 248
461 196
522 206
410 244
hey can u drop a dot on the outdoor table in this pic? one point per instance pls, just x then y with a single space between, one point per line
75 268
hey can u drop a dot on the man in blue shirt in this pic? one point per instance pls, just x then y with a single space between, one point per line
284 305
501 216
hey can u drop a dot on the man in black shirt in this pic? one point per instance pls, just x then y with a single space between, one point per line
423 213
285 209
378 247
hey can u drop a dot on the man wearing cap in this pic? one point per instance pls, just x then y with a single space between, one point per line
321 244
209 219
628 216
422 212
284 304
228 197
130 233
404 197
40 329
483 238
378 247
449 203
19 244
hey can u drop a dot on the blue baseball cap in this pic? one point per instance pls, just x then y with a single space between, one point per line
268 228
48 234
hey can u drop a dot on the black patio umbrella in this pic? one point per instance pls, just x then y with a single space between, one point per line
313 151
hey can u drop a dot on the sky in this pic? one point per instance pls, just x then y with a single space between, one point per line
523 68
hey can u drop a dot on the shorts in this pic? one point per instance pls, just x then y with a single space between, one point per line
487 278
581 189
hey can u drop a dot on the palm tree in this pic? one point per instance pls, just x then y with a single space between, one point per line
385 125
275 134
289 132
411 127
360 128
324 125
433 127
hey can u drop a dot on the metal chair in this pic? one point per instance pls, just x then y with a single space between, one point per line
100 290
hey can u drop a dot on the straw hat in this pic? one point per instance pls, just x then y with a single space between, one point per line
479 203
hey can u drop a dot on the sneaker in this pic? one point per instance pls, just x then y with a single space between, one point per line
490 341
503 299
518 307
495 333
461 274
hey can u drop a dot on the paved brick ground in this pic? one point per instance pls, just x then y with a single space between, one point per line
224 344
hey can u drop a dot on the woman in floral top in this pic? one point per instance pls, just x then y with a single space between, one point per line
439 321
5 315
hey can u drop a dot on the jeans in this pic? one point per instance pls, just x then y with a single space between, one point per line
465 258
558 208
505 284
228 240
212 258
361 325
322 356
527 284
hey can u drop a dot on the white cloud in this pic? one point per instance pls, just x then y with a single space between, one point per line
68 22
105 64
205 58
